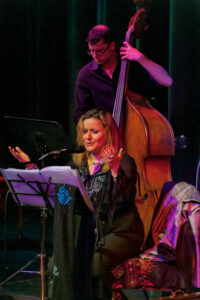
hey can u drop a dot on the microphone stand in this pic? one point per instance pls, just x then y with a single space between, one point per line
58 154
55 154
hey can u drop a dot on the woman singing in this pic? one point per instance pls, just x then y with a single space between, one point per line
111 233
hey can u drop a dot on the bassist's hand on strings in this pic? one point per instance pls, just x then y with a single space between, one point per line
158 73
130 53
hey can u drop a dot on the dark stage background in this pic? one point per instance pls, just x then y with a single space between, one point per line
42 47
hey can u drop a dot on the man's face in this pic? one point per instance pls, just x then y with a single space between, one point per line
101 51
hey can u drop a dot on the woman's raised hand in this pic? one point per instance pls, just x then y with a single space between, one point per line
19 154
112 158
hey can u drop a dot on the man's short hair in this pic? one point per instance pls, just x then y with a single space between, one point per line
99 32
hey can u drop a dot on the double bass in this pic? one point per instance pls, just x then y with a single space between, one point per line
147 135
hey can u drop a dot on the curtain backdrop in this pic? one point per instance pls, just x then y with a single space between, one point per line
184 101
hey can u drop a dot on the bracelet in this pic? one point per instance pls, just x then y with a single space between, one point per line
114 176
33 167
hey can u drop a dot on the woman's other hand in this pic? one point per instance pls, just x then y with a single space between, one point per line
112 158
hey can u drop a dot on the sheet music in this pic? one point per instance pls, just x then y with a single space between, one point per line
67 175
54 174
16 180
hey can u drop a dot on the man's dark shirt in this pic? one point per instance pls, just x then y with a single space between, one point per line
95 89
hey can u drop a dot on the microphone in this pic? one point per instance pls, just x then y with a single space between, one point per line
57 153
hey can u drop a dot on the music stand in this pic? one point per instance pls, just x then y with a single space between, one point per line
37 188
36 138
27 190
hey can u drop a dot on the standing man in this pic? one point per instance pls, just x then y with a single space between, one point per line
97 81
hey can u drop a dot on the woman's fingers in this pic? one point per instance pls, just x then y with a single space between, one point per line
109 152
19 154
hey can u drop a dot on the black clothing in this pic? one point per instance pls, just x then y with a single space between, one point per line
95 89
116 221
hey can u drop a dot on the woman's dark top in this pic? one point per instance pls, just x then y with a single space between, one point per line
115 215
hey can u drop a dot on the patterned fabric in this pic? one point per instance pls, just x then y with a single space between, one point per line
145 273
135 272
173 262
180 205
93 183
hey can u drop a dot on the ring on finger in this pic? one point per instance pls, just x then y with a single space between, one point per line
111 156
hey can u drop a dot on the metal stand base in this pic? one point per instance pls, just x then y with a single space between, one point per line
41 256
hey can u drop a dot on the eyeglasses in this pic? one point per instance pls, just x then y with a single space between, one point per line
99 52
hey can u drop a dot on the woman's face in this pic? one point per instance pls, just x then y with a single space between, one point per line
94 135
